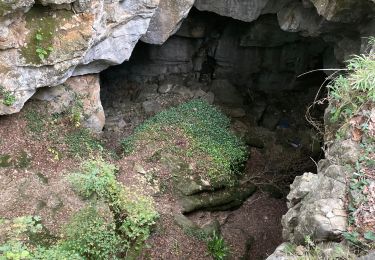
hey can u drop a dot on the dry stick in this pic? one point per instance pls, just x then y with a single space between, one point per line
311 71
308 116
314 162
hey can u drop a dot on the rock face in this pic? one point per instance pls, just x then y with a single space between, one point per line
167 20
245 10
257 56
43 43
48 44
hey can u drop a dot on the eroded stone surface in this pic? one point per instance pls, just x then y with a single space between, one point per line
100 31
81 91
245 10
167 20
316 202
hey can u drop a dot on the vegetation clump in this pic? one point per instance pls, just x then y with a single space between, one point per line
90 235
217 247
134 213
351 93
352 107
6 97
194 131
93 232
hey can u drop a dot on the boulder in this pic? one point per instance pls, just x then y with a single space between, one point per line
342 11
224 199
316 205
81 90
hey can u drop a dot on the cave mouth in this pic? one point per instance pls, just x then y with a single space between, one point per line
257 74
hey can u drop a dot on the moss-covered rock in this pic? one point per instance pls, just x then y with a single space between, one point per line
43 26
195 142
217 200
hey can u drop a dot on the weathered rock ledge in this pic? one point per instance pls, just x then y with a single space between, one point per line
43 44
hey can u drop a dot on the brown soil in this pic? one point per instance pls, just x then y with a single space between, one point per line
257 222
34 183
40 188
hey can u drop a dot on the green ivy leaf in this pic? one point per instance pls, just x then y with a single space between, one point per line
39 37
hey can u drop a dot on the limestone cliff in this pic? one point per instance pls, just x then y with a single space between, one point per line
44 43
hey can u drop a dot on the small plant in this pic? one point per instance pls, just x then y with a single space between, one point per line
56 155
41 50
55 252
8 99
96 177
14 250
24 160
349 93
217 247
19 231
75 111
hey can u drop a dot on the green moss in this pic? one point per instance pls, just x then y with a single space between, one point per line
24 160
5 160
35 122
43 24
81 142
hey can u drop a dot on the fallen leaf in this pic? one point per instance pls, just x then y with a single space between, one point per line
356 135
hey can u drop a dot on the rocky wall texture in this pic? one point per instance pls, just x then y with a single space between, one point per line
45 43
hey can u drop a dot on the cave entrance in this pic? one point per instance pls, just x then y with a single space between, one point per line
256 74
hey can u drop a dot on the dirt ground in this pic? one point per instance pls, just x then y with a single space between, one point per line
33 181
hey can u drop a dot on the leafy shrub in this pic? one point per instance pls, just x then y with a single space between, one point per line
135 212
141 217
91 236
24 240
97 177
14 250
217 247
19 236
350 93
219 153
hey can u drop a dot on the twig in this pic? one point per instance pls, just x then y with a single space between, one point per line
311 71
